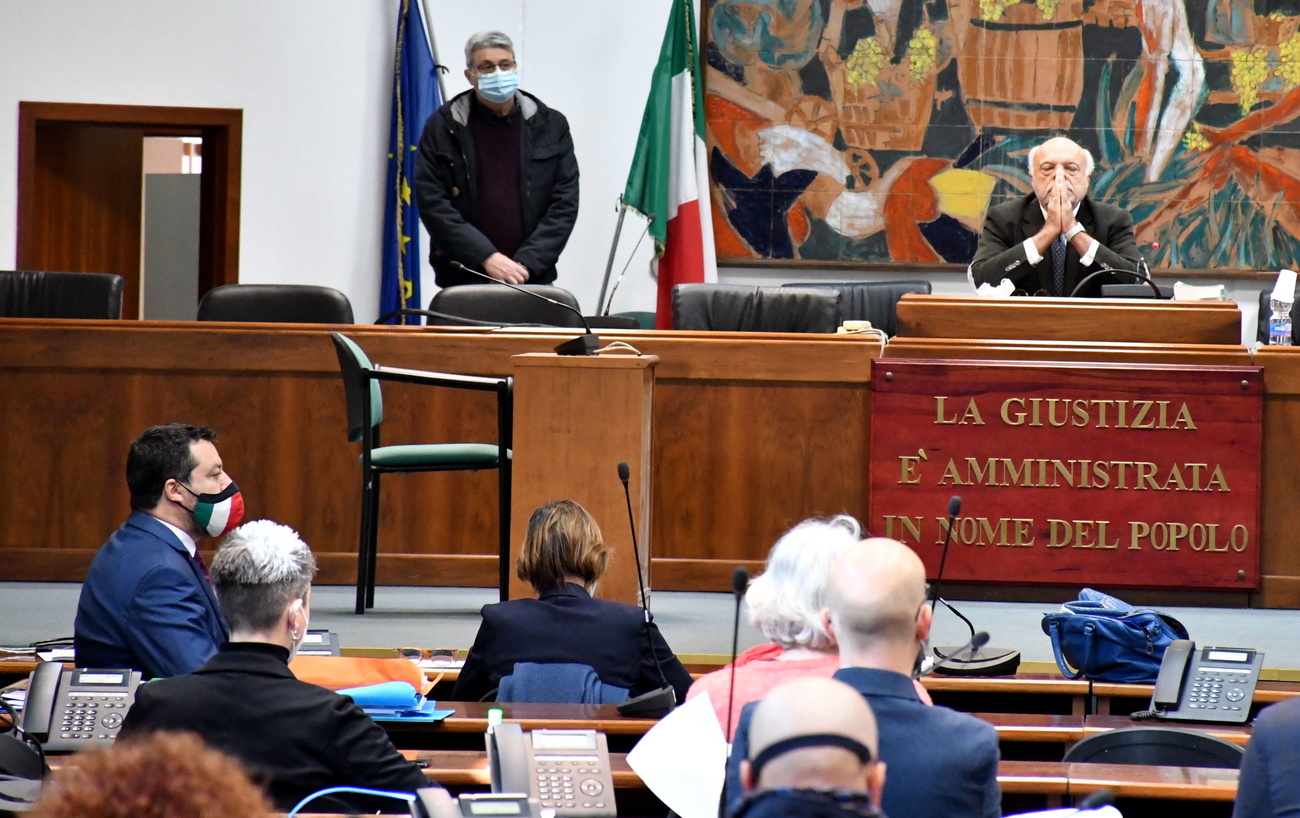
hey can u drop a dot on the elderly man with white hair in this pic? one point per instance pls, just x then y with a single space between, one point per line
1048 241
294 738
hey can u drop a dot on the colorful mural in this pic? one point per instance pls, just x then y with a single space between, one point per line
881 130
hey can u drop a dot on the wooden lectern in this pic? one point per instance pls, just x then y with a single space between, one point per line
576 419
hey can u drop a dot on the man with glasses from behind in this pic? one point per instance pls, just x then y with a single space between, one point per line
496 179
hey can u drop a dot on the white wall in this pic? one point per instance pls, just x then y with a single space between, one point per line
313 78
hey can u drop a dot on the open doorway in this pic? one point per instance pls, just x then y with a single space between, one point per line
81 188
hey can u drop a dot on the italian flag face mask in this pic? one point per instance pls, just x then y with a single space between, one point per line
218 513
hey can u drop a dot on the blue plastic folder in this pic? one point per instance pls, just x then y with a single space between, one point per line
395 701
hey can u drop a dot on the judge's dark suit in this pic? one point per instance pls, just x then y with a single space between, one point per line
567 625
1001 252
1270 772
939 763
146 605
294 738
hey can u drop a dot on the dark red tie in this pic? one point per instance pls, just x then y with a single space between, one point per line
203 566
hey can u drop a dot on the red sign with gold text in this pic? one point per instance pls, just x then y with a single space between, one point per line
1073 474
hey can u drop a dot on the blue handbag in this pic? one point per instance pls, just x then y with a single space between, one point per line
1104 639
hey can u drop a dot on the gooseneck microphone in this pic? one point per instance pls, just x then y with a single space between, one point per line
1142 274
739 585
582 345
661 701
973 658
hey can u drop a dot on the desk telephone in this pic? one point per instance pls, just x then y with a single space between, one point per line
68 709
1206 684
563 770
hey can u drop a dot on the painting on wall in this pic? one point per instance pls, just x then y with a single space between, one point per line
880 131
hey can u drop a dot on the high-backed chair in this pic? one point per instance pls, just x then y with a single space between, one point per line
1167 746
276 304
493 302
365 414
38 294
744 308
874 301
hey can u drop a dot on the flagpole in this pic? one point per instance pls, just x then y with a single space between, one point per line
438 68
601 307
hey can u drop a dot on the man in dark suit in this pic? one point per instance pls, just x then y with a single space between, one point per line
1055 237
1270 771
939 762
294 738
147 603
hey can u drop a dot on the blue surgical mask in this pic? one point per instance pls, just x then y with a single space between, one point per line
498 86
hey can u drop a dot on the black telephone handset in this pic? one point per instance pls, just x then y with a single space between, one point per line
1206 684
68 709
562 770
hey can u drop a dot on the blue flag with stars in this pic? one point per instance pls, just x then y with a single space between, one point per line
416 96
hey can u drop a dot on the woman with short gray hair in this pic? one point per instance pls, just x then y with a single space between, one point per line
785 602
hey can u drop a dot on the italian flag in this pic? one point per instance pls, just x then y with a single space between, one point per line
669 181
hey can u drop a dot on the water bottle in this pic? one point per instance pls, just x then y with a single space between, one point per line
1279 323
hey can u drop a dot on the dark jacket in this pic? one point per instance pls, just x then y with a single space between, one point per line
1269 786
146 605
445 190
567 625
294 738
1001 252
806 803
938 762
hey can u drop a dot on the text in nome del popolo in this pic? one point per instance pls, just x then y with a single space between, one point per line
1119 475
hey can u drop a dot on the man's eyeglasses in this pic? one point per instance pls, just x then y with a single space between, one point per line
488 68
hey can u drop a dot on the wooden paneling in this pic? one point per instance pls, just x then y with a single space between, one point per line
1070 319
788 414
85 215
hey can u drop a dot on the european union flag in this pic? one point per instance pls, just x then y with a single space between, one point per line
416 96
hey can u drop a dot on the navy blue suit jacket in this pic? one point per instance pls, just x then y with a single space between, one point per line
567 625
1270 772
146 605
938 763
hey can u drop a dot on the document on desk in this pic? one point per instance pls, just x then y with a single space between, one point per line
683 759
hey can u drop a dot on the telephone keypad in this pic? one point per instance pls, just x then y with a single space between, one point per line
556 778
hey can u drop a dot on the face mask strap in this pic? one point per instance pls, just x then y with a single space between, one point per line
780 748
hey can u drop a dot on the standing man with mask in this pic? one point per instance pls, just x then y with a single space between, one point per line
496 180
1053 238
147 603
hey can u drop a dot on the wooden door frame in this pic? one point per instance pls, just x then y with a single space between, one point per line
222 132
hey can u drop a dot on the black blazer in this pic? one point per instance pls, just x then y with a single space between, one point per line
1001 252
294 738
567 625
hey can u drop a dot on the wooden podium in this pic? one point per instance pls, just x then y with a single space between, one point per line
576 419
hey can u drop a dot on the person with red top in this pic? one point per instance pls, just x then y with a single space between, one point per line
785 602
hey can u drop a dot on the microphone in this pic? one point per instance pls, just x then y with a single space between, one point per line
977 640
583 345
1096 800
739 585
973 658
658 702
1142 274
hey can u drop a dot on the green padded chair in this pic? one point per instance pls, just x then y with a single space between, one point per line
366 412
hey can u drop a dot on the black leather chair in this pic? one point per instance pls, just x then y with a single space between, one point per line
276 304
1167 746
495 303
37 294
743 308
874 301
365 404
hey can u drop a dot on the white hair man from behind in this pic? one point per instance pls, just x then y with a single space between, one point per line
813 751
294 737
941 763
